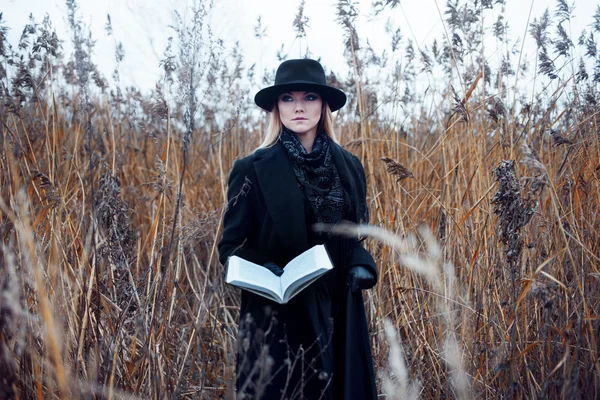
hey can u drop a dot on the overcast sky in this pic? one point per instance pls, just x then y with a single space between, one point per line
142 26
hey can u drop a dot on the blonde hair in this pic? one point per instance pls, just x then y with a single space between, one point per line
274 126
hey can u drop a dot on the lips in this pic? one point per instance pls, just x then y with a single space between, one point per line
299 119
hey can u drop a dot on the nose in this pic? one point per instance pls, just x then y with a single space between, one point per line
299 106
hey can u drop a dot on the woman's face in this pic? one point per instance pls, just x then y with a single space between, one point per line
300 112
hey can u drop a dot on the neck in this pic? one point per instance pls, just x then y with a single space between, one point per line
307 139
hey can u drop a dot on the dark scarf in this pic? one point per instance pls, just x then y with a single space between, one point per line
317 174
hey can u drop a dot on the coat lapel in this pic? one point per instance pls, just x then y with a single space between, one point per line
345 172
283 197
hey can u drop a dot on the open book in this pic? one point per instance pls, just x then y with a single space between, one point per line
297 274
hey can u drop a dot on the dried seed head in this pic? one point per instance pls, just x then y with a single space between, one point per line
530 160
582 184
558 139
113 217
514 213
160 108
396 169
161 184
354 143
459 107
50 191
497 111
201 228
545 292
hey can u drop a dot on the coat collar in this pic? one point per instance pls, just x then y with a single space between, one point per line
346 171
283 197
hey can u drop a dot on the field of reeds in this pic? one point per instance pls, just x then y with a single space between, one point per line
484 202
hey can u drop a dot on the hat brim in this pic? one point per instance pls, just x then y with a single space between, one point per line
267 97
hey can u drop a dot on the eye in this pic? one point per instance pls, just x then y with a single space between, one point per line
286 97
311 97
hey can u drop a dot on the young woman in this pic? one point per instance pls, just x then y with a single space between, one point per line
317 345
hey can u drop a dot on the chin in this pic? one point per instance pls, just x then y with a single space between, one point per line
300 129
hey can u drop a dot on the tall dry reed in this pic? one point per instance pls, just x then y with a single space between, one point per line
111 204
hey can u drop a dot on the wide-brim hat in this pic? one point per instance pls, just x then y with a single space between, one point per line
300 75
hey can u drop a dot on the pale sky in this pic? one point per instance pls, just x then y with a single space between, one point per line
142 27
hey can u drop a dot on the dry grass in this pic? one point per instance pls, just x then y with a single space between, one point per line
110 289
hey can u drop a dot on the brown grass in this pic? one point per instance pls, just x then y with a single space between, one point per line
86 314
93 304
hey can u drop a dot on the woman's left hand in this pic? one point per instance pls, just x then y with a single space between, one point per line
360 277
274 268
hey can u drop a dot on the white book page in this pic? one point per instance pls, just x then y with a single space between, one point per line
300 285
244 274
305 264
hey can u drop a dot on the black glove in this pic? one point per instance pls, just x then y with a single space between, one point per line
274 268
360 277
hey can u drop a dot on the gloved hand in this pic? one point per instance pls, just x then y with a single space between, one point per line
360 277
274 268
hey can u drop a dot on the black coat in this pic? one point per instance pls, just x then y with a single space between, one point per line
318 343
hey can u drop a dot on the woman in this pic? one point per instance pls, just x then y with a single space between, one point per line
316 345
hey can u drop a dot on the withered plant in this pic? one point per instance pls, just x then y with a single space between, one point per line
111 205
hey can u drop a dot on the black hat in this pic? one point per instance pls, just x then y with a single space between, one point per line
295 75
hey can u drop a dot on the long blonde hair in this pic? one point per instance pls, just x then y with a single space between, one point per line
274 126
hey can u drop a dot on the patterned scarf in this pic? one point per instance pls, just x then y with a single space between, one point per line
317 174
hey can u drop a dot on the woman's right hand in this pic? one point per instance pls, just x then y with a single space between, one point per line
274 268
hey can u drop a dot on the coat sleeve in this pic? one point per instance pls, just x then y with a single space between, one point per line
240 219
359 255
